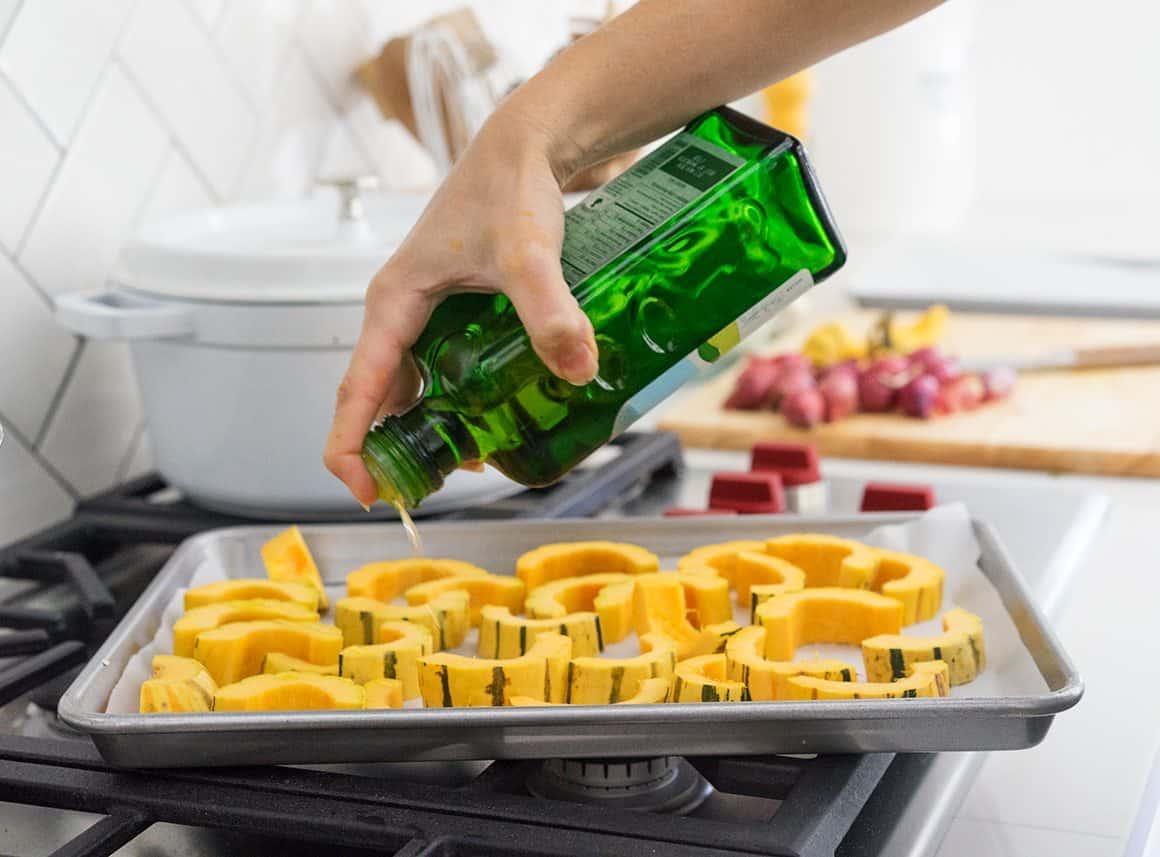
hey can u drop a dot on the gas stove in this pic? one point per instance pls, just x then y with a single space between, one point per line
62 590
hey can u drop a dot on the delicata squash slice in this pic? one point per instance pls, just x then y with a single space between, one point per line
914 581
447 679
925 679
609 595
277 662
828 614
384 581
200 619
704 679
383 693
235 651
651 691
289 692
502 635
249 588
396 656
287 558
489 589
746 569
445 616
827 560
660 607
890 657
178 685
766 680
597 681
575 559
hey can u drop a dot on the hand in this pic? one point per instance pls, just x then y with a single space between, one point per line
496 224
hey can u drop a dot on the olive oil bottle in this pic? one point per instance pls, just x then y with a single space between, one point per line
674 261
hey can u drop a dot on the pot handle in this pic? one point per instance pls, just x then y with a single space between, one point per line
105 314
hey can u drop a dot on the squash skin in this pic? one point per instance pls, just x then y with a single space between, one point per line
397 657
927 679
703 679
481 591
769 680
914 581
556 561
651 692
235 651
891 657
444 616
289 692
200 619
827 561
383 693
599 681
248 588
277 662
384 581
502 635
287 557
609 595
825 615
447 680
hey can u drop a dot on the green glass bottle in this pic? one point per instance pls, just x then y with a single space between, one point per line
674 261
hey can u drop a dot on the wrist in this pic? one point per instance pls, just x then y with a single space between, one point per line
521 128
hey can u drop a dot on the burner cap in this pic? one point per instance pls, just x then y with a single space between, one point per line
664 784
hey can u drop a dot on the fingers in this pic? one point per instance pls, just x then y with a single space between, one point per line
376 378
560 332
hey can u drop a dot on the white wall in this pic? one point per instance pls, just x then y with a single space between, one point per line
118 111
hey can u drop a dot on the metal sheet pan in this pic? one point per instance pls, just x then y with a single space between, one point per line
985 723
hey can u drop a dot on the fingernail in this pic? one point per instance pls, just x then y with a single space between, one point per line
577 363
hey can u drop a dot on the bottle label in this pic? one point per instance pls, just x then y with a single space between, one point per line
665 384
614 217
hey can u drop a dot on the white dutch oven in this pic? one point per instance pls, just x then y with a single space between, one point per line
240 323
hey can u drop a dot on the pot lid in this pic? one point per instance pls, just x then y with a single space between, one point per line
324 249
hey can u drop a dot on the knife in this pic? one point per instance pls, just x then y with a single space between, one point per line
1094 357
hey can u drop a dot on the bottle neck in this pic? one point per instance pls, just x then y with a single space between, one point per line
410 455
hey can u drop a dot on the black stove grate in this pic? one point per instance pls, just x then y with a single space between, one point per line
81 576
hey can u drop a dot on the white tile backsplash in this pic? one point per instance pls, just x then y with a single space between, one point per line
968 838
55 53
95 425
34 354
27 159
105 179
120 112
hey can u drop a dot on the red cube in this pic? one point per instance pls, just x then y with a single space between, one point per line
894 497
747 493
686 512
796 463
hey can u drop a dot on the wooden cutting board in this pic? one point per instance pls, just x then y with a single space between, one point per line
1090 421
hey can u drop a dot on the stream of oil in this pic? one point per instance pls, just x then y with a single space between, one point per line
409 525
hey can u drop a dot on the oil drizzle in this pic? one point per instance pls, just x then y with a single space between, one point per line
409 525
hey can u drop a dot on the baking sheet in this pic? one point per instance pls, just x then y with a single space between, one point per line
944 535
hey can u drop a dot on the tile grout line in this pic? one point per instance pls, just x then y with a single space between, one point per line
174 140
44 463
1069 830
11 22
211 32
58 396
22 100
134 446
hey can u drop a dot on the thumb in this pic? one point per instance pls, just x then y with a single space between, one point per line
560 332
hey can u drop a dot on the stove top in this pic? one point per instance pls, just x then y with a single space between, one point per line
62 590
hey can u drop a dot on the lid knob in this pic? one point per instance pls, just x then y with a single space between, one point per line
350 188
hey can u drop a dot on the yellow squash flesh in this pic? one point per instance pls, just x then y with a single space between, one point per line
447 680
444 616
609 595
235 651
827 560
825 615
598 681
575 559
384 693
247 588
659 607
287 557
276 662
704 679
397 656
289 692
384 581
481 591
201 619
502 635
915 582
768 680
178 685
926 680
890 657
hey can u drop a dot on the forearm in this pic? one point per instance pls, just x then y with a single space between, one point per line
664 61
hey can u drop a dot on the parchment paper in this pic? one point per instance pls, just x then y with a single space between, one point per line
943 535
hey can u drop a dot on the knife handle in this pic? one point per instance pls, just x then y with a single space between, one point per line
1117 355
